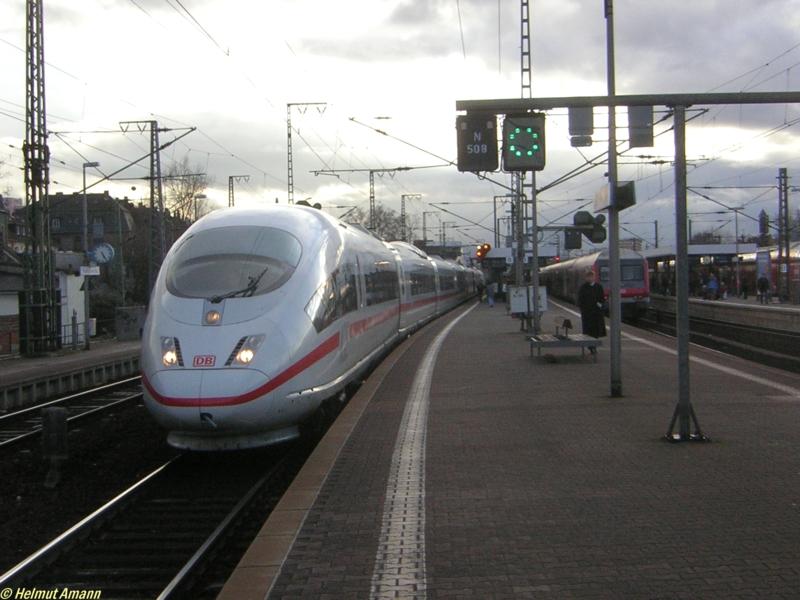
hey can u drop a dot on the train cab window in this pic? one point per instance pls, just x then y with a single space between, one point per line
632 272
348 294
323 308
230 262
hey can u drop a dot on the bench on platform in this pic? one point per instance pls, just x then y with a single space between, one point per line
576 340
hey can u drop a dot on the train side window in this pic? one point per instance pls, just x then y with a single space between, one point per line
381 284
422 282
447 281
323 308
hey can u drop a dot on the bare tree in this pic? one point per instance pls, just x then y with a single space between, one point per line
387 222
184 183
3 175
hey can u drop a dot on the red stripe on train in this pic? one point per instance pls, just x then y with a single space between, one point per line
294 370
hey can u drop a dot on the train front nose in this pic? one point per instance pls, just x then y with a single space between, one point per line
201 400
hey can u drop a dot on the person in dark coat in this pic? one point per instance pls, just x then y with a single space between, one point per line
590 301
762 285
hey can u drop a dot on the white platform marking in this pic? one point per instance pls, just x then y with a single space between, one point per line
786 389
400 560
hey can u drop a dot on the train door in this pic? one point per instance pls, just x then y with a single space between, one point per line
437 288
362 295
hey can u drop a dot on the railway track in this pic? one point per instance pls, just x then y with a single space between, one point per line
158 538
771 347
26 423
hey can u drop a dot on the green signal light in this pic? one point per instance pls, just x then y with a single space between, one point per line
511 136
529 130
536 146
516 130
530 152
536 136
512 148
518 153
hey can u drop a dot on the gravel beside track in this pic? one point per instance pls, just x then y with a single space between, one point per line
105 456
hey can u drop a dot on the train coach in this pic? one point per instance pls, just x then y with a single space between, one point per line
564 278
260 316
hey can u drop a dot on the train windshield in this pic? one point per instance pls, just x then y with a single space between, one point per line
232 262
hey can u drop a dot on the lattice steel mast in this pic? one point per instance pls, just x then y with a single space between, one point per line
784 236
39 310
372 173
156 237
527 226
231 180
289 159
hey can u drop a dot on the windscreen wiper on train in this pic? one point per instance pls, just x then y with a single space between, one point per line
245 292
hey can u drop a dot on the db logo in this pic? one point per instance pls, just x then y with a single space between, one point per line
204 360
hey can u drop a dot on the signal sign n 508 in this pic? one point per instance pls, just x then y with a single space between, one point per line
477 143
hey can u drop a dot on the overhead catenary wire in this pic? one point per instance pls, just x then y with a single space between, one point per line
461 29
200 27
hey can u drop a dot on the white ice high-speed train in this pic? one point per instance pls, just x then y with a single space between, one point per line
260 315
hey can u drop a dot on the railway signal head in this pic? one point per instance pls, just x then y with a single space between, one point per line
523 143
483 250
590 226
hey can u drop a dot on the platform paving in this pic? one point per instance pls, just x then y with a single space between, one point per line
20 368
25 380
537 484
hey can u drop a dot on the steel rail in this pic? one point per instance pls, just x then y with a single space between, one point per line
42 555
203 551
34 428
57 401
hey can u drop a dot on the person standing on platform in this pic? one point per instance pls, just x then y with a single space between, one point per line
590 302
491 290
713 287
762 285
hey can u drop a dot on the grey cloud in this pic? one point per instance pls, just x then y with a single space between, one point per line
415 12
386 47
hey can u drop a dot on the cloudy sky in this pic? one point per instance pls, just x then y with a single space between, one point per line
230 68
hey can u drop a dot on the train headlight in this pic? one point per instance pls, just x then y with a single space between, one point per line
245 350
245 356
171 352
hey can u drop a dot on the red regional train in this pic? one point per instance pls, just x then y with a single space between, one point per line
564 278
